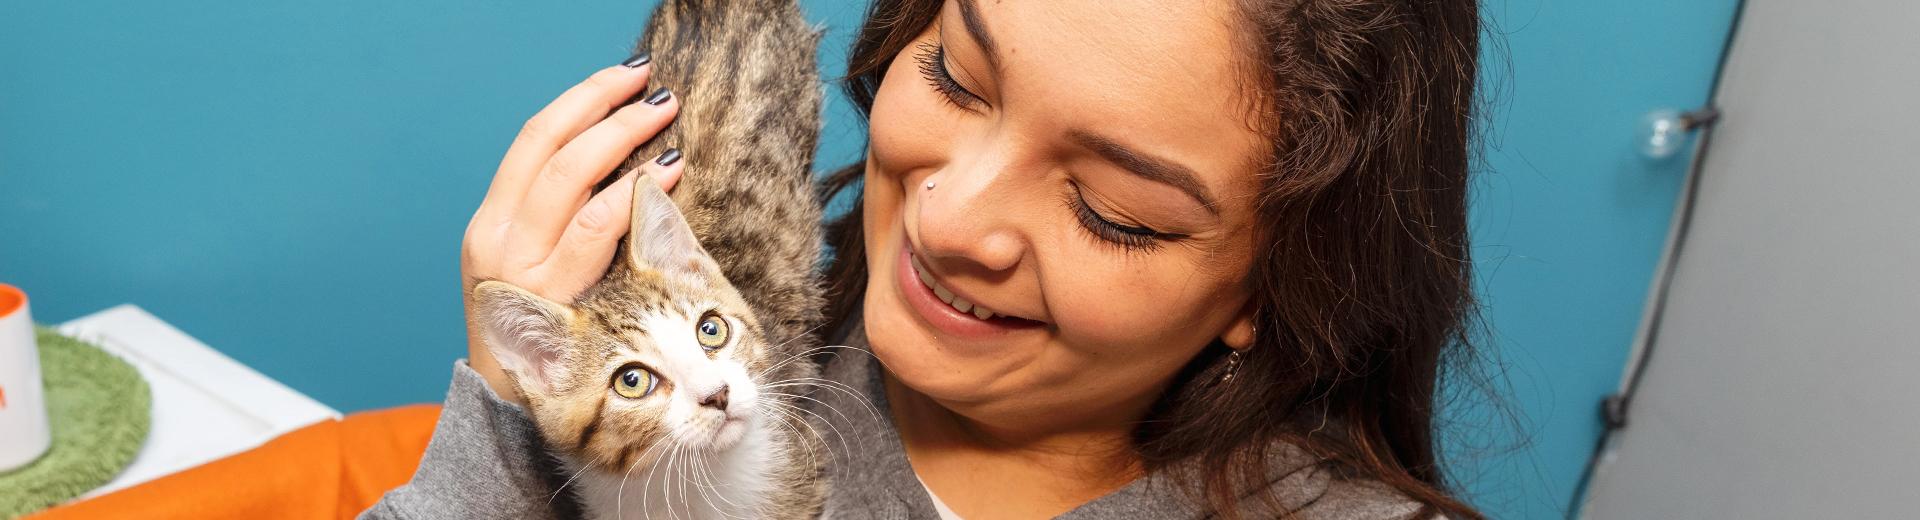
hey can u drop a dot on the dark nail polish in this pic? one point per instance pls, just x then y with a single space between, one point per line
638 60
667 158
657 97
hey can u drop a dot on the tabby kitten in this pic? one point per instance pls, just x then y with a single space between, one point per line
661 388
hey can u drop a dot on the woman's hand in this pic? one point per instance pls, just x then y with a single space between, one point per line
541 226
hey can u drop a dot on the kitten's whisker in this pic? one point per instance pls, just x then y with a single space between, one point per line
697 475
835 410
686 475
869 353
787 418
795 356
697 464
841 437
836 430
813 453
822 382
667 484
645 507
576 475
872 412
803 334
792 419
680 472
807 411
705 473
836 386
811 351
794 435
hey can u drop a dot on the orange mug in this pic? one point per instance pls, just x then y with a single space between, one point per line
23 407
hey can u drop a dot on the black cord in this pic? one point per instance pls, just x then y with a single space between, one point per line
1614 408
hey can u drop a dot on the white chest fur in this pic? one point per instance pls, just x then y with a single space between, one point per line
719 485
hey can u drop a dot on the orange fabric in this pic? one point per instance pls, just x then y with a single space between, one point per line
330 470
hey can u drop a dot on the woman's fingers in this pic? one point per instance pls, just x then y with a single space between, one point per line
579 108
665 169
563 185
587 246
486 252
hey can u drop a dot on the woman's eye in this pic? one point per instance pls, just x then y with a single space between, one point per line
933 65
1128 237
633 382
711 332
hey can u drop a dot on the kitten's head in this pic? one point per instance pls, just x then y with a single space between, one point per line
661 354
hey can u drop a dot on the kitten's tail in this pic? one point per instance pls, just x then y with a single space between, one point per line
749 121
749 65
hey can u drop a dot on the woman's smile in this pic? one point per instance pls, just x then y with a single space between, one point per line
1105 240
947 312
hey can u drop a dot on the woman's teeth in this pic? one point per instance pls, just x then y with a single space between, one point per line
945 295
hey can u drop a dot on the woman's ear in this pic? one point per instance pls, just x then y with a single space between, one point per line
1239 333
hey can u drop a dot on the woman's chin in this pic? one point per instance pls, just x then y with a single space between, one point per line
924 362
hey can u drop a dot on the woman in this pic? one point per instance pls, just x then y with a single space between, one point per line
1219 248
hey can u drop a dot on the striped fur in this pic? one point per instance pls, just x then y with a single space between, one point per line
748 125
749 120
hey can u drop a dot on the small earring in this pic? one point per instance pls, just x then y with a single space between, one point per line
929 184
1233 366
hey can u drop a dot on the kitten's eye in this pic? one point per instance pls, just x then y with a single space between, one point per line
633 382
711 332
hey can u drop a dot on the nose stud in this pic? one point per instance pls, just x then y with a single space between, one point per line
929 184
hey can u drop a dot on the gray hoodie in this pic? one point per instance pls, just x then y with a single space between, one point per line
485 461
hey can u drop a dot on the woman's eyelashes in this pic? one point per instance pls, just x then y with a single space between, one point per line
1131 238
932 58
933 65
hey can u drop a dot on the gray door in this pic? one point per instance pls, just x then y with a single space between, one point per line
1783 377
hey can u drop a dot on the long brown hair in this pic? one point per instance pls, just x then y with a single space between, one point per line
1362 283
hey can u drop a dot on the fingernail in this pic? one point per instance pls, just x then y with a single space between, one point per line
657 97
638 60
667 158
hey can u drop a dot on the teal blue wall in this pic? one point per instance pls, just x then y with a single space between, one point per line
1569 222
288 182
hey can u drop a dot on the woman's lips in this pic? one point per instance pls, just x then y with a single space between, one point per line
925 295
952 300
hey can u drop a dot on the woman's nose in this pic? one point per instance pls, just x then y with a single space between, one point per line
967 216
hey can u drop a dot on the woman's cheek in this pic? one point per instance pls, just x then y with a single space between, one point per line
1131 308
1105 328
1144 302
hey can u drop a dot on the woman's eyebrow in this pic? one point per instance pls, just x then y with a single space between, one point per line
977 28
1147 166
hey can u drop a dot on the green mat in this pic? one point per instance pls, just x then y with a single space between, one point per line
99 410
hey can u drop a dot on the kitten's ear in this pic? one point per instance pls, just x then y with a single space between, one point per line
660 238
526 333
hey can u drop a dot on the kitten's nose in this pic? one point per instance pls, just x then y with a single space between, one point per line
718 400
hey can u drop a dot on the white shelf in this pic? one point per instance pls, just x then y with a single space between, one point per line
206 406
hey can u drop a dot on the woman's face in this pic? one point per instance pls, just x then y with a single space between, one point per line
1082 170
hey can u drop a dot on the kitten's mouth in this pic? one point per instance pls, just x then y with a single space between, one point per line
714 430
729 433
